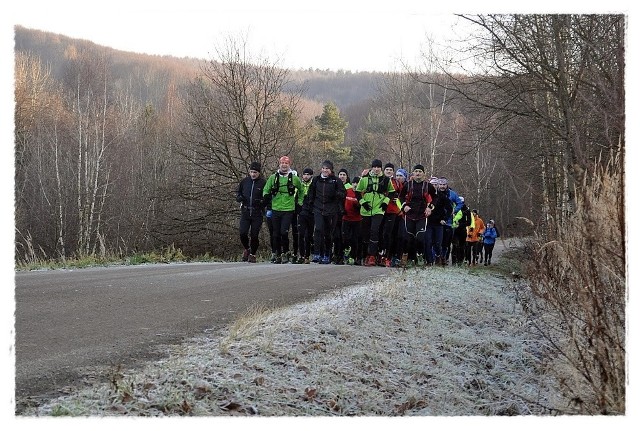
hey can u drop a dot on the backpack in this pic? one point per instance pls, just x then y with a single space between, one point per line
425 194
291 189
383 185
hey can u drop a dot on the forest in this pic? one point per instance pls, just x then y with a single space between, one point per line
118 153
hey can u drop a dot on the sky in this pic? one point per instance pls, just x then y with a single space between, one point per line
328 34
350 35
325 34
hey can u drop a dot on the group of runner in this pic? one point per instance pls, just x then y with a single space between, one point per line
383 217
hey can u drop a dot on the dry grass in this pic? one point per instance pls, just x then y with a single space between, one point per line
579 276
440 342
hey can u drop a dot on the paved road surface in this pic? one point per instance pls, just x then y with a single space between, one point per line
71 324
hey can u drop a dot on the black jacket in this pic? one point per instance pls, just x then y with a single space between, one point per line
442 208
326 195
249 194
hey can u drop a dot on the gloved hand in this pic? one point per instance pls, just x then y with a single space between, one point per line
366 206
269 213
384 207
298 209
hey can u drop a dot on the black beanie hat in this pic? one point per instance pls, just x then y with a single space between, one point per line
390 165
307 171
418 166
376 163
346 172
255 166
328 164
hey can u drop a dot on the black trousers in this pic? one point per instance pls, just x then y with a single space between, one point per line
250 224
458 244
488 251
323 233
305 233
281 221
413 234
447 237
371 234
351 237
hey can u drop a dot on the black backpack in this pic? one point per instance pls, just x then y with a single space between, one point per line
291 189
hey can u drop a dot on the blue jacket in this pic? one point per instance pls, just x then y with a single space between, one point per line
456 202
490 235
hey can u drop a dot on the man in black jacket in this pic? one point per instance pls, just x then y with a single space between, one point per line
461 220
440 213
326 198
251 208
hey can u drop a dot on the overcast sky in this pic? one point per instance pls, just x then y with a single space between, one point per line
326 34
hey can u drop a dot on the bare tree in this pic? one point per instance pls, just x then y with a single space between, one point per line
37 159
564 74
236 112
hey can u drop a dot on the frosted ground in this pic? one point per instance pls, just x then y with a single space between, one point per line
422 342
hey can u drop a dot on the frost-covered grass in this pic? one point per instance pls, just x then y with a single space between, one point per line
434 342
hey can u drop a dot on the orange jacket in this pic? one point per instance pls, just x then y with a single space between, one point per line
477 228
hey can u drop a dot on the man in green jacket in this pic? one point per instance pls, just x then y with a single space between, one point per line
281 187
374 188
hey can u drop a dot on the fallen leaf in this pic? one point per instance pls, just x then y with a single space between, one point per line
310 393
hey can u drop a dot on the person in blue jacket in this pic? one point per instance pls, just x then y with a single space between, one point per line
489 241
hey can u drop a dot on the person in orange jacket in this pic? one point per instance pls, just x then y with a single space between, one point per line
474 238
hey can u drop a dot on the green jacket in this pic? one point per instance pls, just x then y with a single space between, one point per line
305 188
286 191
374 190
458 216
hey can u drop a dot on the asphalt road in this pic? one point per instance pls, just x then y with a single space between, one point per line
73 326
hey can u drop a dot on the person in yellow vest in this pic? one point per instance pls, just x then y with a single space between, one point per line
305 220
460 224
374 188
